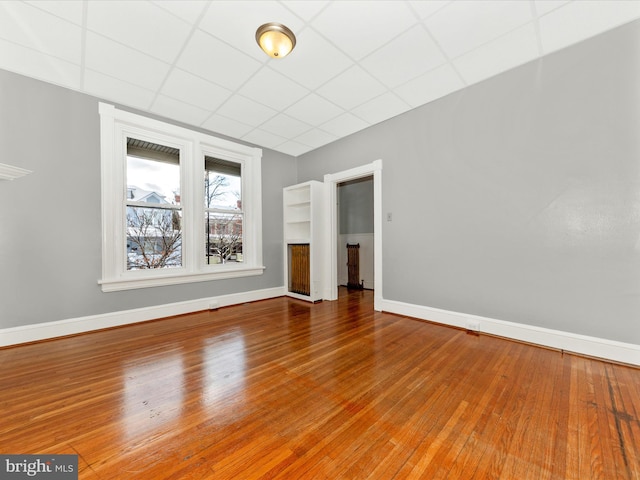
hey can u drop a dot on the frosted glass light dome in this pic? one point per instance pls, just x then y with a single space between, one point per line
275 39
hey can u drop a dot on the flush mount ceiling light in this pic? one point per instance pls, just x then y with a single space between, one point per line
275 39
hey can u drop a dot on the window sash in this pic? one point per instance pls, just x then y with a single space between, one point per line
164 206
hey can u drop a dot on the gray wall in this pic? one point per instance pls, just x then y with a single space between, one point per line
517 198
50 226
355 199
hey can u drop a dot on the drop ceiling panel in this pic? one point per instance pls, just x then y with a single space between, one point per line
579 20
116 90
293 148
404 58
188 10
430 86
313 62
226 126
194 90
381 108
306 9
183 112
344 125
359 31
356 63
315 138
273 89
515 48
217 62
352 87
145 27
41 31
117 60
70 10
264 138
246 111
314 110
545 6
426 9
467 24
32 63
285 123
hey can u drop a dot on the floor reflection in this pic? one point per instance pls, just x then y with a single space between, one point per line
153 394
224 367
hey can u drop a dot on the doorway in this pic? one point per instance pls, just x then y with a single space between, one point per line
332 182
355 233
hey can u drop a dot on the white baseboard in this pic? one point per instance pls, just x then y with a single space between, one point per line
569 342
72 326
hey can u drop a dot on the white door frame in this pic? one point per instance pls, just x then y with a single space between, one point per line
331 182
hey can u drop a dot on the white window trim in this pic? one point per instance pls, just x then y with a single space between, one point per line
115 125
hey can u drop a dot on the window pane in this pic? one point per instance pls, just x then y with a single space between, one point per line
153 172
154 238
222 184
223 241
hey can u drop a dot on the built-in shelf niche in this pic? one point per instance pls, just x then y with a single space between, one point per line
303 217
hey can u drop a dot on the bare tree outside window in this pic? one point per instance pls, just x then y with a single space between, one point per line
154 238
224 216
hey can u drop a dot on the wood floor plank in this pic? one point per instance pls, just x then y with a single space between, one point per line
283 389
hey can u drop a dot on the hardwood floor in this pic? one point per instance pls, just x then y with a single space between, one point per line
284 389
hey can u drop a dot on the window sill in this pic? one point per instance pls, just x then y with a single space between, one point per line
115 285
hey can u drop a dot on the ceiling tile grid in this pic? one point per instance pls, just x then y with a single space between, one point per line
356 62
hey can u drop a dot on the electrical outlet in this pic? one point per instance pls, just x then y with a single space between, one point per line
389 217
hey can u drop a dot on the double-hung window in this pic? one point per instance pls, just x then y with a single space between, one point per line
159 182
